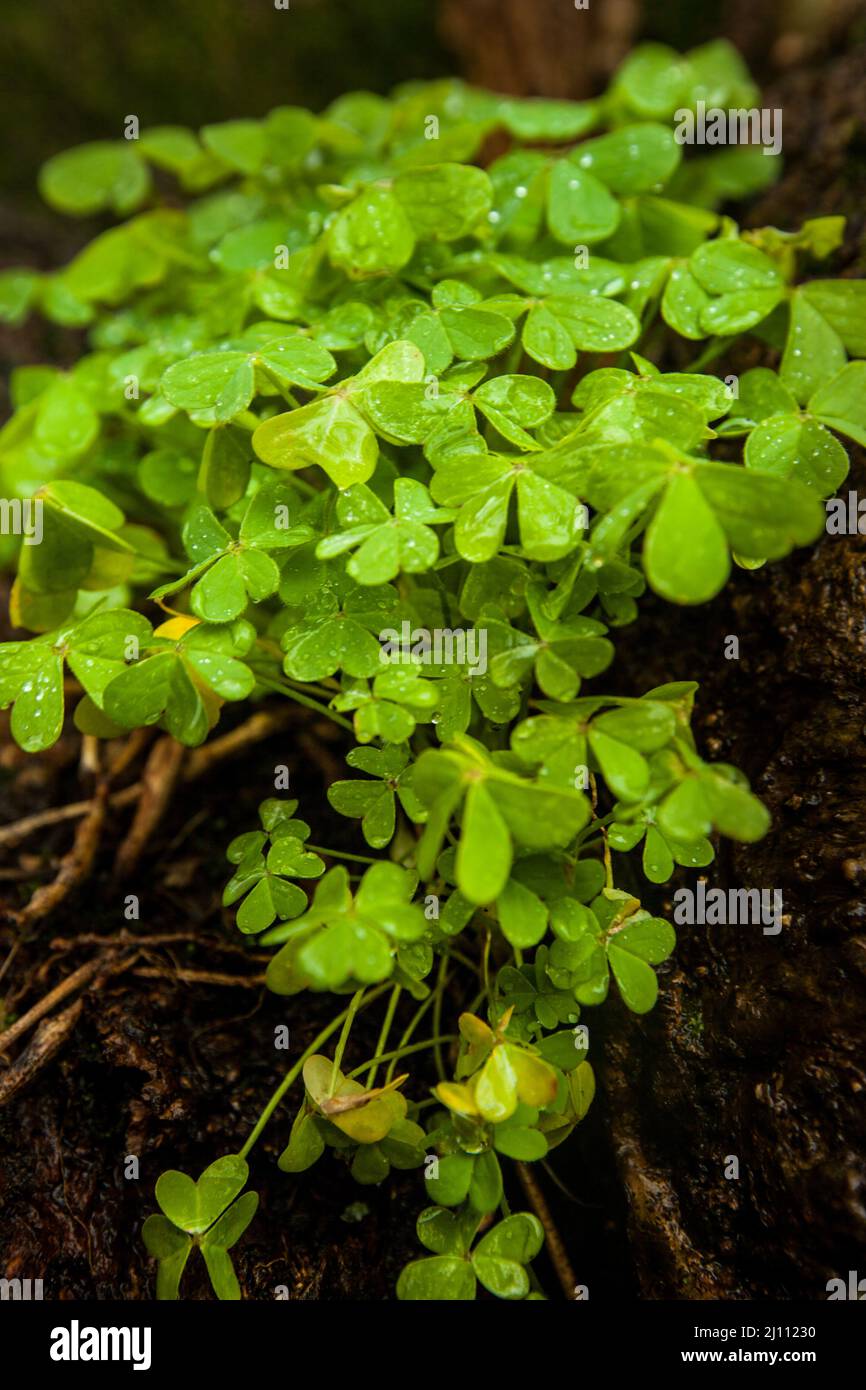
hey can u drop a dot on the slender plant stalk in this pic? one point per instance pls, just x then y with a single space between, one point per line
295 1070
399 1052
409 1030
344 1038
304 700
342 854
441 982
383 1035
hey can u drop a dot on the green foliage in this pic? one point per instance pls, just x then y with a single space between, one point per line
205 1214
391 434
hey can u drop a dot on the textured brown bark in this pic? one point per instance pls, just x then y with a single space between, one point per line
757 1049
555 48
538 47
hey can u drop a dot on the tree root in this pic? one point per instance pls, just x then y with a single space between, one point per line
11 835
198 977
199 762
259 726
74 867
157 784
555 1247
50 1037
83 975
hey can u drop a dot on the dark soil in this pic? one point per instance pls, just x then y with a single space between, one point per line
177 1073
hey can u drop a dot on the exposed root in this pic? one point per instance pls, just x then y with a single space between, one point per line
199 977
50 1037
200 762
11 835
127 939
157 784
74 867
259 726
83 975
555 1247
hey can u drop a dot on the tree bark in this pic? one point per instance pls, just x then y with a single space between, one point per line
548 48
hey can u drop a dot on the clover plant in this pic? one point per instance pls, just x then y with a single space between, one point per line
385 425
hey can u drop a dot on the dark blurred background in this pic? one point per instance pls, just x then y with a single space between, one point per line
71 70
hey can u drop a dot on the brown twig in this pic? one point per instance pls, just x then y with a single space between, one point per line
20 829
49 1038
74 866
199 977
157 784
127 939
555 1247
89 762
79 977
260 725
130 749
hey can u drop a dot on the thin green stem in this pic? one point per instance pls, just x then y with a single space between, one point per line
485 962
405 1051
304 700
441 982
715 348
409 1030
597 823
464 960
342 854
287 396
294 1071
344 1038
383 1035
476 1001
608 864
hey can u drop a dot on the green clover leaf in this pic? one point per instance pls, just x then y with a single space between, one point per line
616 936
337 632
182 683
214 387
374 802
660 851
387 545
529 989
332 432
561 652
96 651
108 174
744 284
398 701
499 810
703 510
444 202
203 1213
498 1261
789 442
261 877
227 573
549 518
345 937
